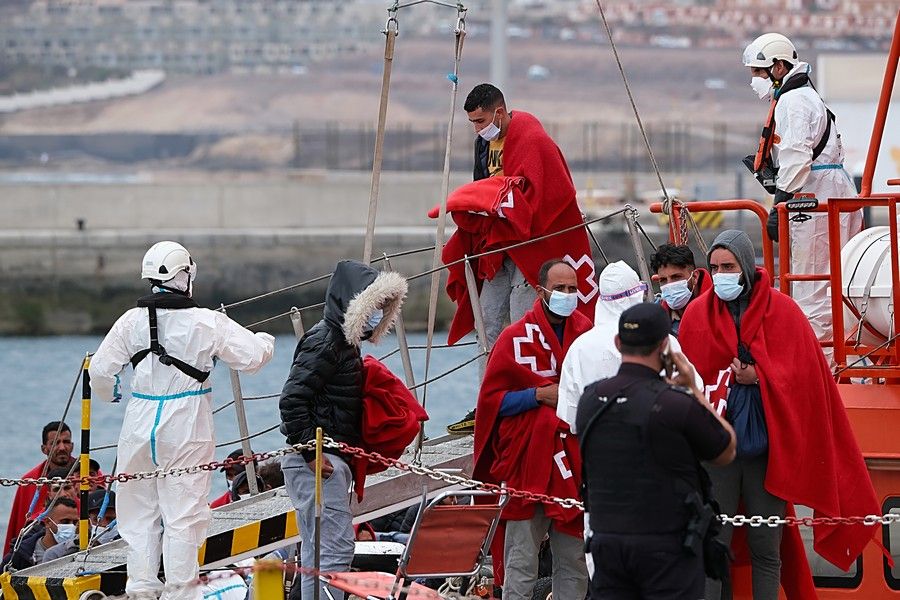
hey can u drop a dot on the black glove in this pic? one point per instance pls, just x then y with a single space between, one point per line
772 222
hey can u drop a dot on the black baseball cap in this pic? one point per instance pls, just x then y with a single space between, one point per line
237 455
95 500
644 324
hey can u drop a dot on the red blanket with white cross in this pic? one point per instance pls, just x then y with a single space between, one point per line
535 198
814 459
533 450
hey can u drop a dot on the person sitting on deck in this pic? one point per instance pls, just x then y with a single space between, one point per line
59 525
103 529
57 446
69 489
520 440
231 472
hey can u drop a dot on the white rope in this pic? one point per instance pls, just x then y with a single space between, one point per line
390 31
460 35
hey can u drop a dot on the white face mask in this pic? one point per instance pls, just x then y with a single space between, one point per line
64 532
727 286
762 86
491 132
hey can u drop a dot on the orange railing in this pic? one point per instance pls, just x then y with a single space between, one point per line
716 205
887 87
886 357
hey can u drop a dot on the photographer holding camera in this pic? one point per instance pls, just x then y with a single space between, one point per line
642 437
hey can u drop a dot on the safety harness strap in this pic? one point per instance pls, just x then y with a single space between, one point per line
170 301
767 136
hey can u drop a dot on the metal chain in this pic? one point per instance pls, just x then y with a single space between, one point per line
160 473
438 475
775 521
737 520
450 478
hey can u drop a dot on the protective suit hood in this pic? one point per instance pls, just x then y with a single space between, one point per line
355 291
800 69
615 281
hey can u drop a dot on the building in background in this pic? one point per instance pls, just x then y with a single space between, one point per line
186 36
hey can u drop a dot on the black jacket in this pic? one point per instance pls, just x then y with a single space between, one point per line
24 556
480 170
324 388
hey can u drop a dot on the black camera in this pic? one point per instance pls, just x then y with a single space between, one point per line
766 175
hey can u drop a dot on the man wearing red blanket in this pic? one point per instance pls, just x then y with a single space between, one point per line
516 145
747 333
58 449
522 190
520 440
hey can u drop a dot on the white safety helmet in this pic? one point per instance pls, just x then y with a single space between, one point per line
164 260
767 48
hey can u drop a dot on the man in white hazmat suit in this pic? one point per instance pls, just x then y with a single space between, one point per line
593 356
172 345
800 139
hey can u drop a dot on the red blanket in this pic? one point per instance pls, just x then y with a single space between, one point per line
537 197
814 459
391 418
18 514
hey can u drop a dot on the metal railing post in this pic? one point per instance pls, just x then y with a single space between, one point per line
297 322
472 286
403 343
638 247
243 429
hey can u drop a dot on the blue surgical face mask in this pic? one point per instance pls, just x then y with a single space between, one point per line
562 304
375 319
64 533
676 294
727 285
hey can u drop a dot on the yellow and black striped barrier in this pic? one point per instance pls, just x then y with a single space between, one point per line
705 220
249 537
221 546
48 588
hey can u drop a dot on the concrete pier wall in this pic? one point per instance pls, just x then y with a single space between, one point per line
70 253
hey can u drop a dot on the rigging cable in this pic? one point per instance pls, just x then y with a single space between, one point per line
460 36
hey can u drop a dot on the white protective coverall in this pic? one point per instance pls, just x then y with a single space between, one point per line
168 424
800 121
594 356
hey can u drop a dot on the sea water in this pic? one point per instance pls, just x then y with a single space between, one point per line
37 375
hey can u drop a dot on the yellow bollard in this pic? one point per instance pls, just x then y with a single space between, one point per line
318 562
85 465
268 580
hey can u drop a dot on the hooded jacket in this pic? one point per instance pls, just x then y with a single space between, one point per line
594 356
324 388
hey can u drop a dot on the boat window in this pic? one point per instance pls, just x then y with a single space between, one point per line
825 574
892 543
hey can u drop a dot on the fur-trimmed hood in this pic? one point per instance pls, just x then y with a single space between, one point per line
356 290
